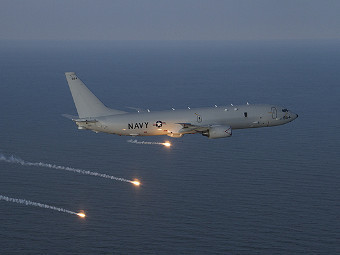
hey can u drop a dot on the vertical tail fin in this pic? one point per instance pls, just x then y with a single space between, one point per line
87 104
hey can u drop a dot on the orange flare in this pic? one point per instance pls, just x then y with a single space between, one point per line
166 144
136 182
81 214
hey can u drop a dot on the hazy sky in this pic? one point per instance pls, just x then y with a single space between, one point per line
169 20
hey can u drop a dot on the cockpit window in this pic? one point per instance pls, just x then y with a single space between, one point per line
285 110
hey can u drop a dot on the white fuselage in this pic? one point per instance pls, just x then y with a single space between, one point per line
172 122
216 122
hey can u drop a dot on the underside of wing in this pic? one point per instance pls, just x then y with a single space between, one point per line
211 131
190 128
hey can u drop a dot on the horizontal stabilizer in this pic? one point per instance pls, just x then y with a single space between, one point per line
68 116
85 120
136 109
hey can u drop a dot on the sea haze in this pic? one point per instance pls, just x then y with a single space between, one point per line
262 191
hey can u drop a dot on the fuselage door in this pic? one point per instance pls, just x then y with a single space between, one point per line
199 118
274 112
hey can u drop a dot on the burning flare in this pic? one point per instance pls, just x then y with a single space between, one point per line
136 182
15 160
81 214
31 203
166 144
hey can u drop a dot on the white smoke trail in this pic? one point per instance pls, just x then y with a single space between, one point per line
31 203
15 160
143 142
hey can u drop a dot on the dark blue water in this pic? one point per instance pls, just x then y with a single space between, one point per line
263 191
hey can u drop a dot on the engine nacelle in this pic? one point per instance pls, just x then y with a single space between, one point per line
218 132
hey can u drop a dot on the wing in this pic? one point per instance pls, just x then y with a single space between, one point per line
68 116
136 109
190 128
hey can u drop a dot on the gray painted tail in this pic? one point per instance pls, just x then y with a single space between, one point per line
87 104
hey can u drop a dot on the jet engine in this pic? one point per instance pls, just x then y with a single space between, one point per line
218 132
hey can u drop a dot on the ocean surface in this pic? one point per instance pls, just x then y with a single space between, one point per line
263 191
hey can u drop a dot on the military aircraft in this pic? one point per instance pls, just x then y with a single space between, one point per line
213 122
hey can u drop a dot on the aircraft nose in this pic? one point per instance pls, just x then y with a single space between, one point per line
294 116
